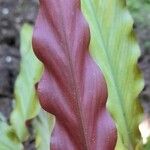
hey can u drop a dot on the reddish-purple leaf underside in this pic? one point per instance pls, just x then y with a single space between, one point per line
72 87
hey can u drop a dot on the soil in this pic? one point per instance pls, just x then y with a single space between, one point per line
13 13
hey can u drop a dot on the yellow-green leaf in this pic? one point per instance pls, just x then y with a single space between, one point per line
26 104
8 139
43 125
114 47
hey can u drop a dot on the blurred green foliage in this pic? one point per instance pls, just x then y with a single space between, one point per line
140 10
147 146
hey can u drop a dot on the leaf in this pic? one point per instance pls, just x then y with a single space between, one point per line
26 103
115 49
8 139
147 145
43 125
72 87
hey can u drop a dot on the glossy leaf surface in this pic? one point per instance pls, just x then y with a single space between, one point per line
72 87
26 101
115 49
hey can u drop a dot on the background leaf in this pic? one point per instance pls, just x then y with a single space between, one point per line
115 49
72 87
43 125
26 103
8 139
147 145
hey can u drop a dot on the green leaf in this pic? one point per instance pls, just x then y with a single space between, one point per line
115 49
43 125
26 103
8 139
147 145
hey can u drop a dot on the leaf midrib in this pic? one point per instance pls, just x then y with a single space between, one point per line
67 45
